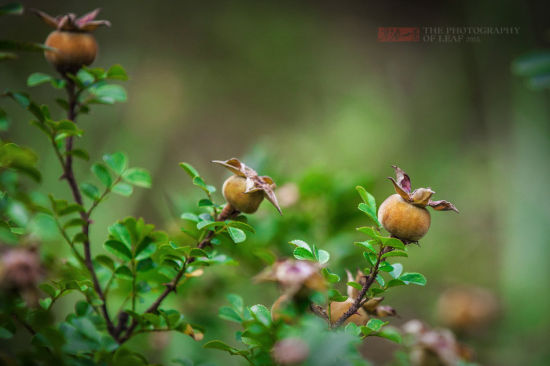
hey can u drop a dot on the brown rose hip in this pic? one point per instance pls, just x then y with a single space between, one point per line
404 214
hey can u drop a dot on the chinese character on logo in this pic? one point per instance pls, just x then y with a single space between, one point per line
398 34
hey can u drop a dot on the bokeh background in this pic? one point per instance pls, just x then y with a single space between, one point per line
304 92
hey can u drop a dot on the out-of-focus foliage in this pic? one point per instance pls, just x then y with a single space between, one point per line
305 93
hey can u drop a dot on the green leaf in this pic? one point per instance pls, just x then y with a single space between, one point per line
121 233
301 244
205 202
85 78
380 280
262 314
330 276
376 324
532 64
355 285
118 249
123 189
370 257
370 211
366 245
145 249
199 182
190 170
105 261
90 191
197 252
108 93
241 225
190 217
390 333
236 302
74 222
117 72
395 253
335 295
116 161
38 78
124 272
395 282
392 242
323 256
138 177
230 314
303 254
374 234
80 153
397 270
102 174
49 290
221 346
11 9
367 197
4 120
414 278
45 302
7 56
237 235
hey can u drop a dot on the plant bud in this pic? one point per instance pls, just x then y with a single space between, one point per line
290 351
20 268
466 308
234 192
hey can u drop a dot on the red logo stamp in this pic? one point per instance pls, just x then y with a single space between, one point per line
398 34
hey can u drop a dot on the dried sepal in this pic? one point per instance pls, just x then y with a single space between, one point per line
403 179
406 196
419 197
371 304
193 333
442 205
254 182
70 22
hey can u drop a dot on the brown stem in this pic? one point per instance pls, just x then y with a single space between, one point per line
368 283
227 213
68 174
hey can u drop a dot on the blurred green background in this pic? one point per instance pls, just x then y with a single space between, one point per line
303 92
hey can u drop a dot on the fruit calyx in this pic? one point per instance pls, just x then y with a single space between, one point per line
420 197
254 182
70 23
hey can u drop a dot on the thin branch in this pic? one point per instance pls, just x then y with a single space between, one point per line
26 325
227 213
368 283
68 174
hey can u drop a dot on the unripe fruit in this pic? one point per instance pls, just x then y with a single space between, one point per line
290 351
466 308
72 43
234 189
403 219
72 50
337 309
245 190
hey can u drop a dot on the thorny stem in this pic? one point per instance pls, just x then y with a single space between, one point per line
366 286
68 174
227 213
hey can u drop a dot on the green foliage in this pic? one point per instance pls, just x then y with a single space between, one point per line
121 290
